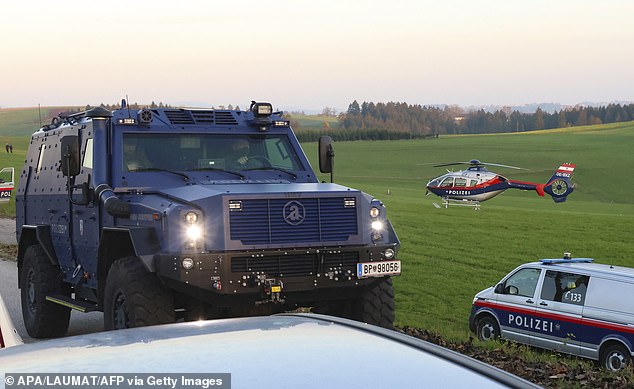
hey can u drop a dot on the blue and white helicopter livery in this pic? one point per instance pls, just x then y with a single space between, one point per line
476 184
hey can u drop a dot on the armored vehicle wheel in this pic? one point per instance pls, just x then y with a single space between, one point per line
135 297
42 319
615 357
487 328
376 305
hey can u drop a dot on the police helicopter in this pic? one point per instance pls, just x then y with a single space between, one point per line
476 184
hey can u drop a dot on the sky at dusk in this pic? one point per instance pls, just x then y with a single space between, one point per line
310 55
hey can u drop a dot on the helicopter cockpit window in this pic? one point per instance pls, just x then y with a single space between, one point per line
447 182
460 182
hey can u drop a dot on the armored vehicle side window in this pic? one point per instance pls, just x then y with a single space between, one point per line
565 287
522 283
87 162
40 158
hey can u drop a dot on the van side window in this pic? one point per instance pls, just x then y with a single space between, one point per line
565 287
522 283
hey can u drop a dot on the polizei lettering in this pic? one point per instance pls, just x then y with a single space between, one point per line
532 323
459 192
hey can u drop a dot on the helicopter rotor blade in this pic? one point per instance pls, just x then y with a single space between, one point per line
475 162
500 165
452 164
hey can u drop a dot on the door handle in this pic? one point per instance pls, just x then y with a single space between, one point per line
543 304
530 301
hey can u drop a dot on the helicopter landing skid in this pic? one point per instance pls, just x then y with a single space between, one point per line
461 203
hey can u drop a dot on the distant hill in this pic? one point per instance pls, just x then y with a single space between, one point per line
313 122
25 121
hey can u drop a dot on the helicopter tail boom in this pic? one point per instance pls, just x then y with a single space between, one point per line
559 185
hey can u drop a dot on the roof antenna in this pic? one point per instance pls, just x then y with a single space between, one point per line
124 104
39 113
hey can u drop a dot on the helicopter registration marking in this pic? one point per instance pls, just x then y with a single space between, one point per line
378 269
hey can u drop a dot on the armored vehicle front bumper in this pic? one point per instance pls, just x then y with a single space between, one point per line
257 274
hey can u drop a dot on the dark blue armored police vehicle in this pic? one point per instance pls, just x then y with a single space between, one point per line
157 215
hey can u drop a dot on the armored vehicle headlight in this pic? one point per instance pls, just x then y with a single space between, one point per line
374 212
187 263
194 232
388 253
191 217
377 225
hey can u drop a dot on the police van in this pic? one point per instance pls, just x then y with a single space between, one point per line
570 305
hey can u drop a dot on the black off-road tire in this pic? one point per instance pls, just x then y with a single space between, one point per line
374 306
615 357
487 329
40 278
134 297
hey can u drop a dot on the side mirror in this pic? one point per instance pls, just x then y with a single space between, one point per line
499 289
70 155
326 154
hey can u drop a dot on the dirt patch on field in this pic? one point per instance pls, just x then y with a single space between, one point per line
548 374
8 251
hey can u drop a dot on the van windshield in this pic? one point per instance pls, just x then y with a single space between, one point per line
196 152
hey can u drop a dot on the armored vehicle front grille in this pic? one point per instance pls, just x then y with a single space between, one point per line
179 116
270 221
296 265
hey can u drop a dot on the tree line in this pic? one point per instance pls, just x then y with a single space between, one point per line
423 121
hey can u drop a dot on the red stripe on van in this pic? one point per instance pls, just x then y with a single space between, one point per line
555 316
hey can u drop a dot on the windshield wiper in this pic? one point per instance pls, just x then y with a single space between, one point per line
156 169
273 168
217 169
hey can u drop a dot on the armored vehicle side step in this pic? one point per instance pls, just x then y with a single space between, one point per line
80 306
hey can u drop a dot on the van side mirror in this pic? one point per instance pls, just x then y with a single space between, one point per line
70 155
499 289
326 154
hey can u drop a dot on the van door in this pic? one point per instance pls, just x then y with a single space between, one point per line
560 308
516 301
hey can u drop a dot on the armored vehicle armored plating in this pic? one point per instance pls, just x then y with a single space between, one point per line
154 215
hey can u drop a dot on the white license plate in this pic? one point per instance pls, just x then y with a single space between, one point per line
378 269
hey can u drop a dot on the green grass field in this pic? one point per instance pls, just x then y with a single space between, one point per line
450 254
315 122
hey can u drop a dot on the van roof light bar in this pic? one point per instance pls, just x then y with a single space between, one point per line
564 260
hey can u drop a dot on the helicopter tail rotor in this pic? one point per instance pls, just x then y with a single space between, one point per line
559 186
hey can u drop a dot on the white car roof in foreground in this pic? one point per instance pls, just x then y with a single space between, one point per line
281 351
